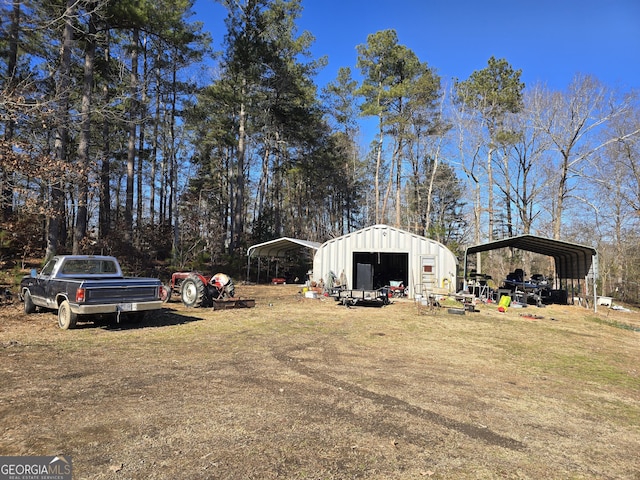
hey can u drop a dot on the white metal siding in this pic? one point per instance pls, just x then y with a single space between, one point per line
336 255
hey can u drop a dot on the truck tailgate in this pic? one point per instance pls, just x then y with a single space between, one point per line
123 290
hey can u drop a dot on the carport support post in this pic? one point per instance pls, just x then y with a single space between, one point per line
594 276
465 286
258 269
464 271
249 268
595 296
596 271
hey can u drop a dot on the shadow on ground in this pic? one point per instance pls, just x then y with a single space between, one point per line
164 318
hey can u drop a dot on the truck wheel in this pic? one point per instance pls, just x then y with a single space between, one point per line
192 291
66 318
29 306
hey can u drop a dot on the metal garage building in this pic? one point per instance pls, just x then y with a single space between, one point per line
378 255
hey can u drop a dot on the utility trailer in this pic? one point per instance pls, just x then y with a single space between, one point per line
365 298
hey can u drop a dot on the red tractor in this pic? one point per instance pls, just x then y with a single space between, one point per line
198 290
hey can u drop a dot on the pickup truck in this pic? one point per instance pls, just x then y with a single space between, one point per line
80 287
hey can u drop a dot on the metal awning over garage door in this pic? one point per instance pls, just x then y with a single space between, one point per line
572 261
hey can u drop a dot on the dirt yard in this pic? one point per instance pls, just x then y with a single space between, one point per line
308 389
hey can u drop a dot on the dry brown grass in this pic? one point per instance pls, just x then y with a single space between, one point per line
306 389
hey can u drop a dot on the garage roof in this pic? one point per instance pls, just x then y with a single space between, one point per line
280 247
573 261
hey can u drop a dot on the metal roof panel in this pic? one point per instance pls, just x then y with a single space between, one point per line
279 247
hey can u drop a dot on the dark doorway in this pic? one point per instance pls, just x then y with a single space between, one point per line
364 276
377 269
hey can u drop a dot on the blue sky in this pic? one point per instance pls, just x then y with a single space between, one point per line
550 41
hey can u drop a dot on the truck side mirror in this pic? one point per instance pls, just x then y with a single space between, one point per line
34 273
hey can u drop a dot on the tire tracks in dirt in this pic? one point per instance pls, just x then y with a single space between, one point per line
398 405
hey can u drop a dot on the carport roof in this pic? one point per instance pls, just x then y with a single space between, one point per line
280 247
572 260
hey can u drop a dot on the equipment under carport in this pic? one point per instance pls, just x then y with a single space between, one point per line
575 265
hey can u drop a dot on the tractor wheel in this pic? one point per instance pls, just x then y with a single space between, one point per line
192 291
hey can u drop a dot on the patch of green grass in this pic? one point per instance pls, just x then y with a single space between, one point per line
451 302
623 412
614 323
588 368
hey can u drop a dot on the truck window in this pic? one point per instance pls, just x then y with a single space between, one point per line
88 266
48 268
75 267
108 267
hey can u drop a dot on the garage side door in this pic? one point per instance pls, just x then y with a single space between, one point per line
428 273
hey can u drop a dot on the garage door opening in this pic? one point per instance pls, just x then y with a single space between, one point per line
373 270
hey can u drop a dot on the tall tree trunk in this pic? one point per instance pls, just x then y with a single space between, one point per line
139 178
56 220
154 154
80 231
263 185
237 213
399 186
490 211
165 184
431 181
131 146
477 216
6 202
143 104
376 181
387 193
174 217
508 198
560 196
104 215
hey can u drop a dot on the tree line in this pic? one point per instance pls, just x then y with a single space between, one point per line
123 131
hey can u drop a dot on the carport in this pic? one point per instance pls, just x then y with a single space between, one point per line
278 249
574 263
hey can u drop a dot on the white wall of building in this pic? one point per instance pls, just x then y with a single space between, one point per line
424 254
